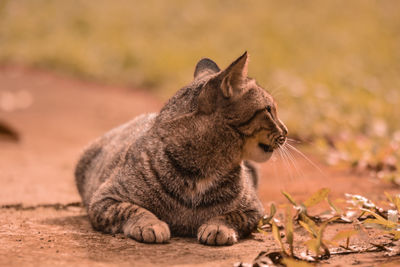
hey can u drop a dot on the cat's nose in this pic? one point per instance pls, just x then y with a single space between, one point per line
281 139
285 130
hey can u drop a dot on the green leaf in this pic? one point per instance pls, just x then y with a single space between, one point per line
331 243
320 234
266 219
377 216
396 234
289 197
289 229
383 222
396 202
312 245
308 228
379 220
389 197
272 210
277 236
310 223
336 209
344 234
317 197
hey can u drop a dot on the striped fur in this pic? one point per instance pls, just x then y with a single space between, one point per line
185 171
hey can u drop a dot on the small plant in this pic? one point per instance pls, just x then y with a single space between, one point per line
364 214
265 223
346 234
390 223
316 243
316 198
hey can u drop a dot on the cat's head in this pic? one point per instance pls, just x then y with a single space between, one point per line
243 105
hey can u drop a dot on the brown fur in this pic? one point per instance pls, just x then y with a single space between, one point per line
185 170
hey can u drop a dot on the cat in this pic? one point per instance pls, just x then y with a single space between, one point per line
187 170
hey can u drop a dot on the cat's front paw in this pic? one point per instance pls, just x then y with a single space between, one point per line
217 235
151 231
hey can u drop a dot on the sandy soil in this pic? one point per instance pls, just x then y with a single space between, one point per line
40 224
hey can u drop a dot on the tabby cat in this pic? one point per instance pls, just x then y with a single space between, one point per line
185 170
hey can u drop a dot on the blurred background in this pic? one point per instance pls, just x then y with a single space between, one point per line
333 66
70 70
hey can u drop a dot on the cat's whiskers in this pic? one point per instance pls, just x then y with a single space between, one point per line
290 162
286 162
290 156
306 158
288 140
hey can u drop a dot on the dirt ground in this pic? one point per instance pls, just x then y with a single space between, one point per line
41 223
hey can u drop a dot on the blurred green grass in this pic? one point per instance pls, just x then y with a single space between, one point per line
334 66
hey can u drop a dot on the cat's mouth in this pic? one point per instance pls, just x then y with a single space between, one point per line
265 147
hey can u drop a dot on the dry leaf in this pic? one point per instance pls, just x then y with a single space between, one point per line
317 197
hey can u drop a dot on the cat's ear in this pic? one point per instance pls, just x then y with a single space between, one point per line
234 76
228 82
205 67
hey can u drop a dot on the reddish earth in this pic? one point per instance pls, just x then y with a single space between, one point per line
37 173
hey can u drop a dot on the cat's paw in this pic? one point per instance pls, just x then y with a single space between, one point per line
152 231
217 235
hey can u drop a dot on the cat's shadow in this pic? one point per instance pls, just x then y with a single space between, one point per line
74 234
79 224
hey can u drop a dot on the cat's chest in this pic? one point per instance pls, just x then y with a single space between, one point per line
205 200
197 189
186 221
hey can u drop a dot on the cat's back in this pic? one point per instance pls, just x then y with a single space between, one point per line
102 156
